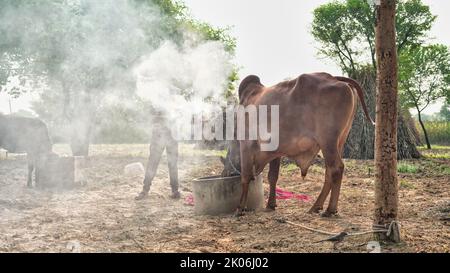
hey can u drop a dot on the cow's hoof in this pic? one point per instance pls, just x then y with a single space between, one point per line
141 196
328 214
175 195
314 210
270 208
240 212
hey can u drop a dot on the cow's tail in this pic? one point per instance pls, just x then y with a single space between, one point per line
359 90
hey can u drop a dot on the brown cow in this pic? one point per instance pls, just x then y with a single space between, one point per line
316 113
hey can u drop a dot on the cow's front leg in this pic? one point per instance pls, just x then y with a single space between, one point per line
156 150
245 181
247 175
274 170
172 160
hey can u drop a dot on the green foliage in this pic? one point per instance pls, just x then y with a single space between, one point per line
64 31
407 168
438 132
345 30
445 170
78 53
171 8
289 168
213 34
404 184
438 152
424 76
118 124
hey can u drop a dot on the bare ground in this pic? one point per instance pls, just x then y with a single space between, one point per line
102 216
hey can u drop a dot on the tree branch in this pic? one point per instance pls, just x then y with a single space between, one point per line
405 39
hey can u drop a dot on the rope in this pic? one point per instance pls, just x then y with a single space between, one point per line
390 227
232 165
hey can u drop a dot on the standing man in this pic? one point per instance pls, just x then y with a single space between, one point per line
161 140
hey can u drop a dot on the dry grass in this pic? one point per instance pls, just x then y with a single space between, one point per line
103 216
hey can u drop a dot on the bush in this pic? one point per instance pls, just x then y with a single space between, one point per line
438 132
407 168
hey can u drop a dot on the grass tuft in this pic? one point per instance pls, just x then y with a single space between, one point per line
404 184
407 168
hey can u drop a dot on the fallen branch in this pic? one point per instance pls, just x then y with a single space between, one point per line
305 227
331 233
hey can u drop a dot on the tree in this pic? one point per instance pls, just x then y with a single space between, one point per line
79 55
83 52
424 78
386 184
345 32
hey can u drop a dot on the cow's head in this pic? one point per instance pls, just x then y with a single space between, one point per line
232 161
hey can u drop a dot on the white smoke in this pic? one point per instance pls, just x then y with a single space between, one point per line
180 81
104 51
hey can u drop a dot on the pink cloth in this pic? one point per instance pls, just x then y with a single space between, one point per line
284 195
280 194
189 200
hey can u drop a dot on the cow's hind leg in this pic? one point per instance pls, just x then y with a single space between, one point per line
318 205
274 170
334 172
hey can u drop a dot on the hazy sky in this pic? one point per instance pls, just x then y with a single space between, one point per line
273 37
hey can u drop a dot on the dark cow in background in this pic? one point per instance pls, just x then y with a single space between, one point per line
26 135
316 113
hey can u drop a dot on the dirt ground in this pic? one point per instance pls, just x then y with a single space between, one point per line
102 216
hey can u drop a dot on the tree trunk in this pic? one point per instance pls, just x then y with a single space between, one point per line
80 139
427 140
361 140
82 125
386 184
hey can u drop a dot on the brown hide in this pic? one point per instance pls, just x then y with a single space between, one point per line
316 113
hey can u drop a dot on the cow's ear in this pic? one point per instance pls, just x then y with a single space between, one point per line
222 159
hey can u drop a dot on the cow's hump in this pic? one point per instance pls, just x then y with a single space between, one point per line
246 82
